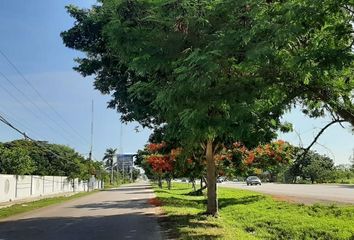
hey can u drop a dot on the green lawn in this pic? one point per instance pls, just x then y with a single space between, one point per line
29 206
250 215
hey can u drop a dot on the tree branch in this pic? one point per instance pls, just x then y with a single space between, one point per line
303 155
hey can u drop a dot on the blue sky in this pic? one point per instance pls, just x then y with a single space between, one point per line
29 36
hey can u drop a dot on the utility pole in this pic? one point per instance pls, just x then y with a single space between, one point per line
131 170
117 155
123 167
120 149
91 146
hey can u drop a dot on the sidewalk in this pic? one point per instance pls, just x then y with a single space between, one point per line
122 213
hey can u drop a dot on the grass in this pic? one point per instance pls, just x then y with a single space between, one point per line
345 181
250 215
29 206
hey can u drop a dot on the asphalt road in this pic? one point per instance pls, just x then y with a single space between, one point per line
302 193
122 213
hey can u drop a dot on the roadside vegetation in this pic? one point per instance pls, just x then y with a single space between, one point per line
312 168
205 75
249 215
29 206
24 157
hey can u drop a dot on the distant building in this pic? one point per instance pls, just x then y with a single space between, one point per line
126 160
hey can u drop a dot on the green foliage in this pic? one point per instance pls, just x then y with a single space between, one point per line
221 69
342 174
218 71
109 161
15 161
109 157
319 169
313 166
249 215
41 158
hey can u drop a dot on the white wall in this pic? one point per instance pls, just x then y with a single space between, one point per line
14 187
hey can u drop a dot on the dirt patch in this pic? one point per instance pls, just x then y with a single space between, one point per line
284 199
155 202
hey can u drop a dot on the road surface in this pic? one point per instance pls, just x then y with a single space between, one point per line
122 213
302 193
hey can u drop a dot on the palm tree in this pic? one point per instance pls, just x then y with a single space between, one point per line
109 158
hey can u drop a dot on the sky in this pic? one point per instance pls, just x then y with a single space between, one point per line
30 38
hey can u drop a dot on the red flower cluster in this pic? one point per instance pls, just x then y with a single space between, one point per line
222 157
155 147
250 158
273 153
175 153
160 163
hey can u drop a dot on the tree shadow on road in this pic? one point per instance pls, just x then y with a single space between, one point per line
122 204
127 188
351 186
140 192
124 226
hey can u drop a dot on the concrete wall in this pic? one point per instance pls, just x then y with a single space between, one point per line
14 187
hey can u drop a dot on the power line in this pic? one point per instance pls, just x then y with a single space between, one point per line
36 106
6 122
2 119
28 109
41 97
20 123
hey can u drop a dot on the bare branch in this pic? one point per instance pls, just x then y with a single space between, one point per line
328 150
303 155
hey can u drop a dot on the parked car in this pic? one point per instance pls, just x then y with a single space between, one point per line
253 180
221 179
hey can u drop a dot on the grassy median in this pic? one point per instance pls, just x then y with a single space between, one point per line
250 215
29 206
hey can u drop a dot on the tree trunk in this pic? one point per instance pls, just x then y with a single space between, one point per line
168 180
212 207
205 180
193 184
201 182
112 172
159 182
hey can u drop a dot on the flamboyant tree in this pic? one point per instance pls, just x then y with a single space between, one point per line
220 70
237 159
161 159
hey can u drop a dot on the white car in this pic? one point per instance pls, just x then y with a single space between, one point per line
253 180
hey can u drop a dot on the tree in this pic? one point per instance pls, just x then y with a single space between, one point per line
314 166
15 161
341 174
109 158
161 161
219 70
42 158
319 170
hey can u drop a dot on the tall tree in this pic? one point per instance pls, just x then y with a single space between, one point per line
109 158
219 70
